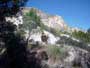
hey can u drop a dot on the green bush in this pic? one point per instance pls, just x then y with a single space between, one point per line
56 52
85 37
56 32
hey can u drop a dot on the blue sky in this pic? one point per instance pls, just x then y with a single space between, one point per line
76 13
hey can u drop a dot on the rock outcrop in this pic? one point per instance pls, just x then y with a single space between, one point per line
52 21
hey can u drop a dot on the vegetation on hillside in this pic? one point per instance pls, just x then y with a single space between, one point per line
13 47
83 36
56 53
30 21
15 53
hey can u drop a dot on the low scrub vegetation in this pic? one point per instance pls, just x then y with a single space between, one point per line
56 53
82 36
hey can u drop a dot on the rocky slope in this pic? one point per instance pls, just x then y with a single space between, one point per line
78 52
52 21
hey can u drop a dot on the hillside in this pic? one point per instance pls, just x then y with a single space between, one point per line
63 49
52 21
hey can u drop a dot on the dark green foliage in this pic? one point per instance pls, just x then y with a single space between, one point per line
10 7
68 41
88 34
88 30
15 55
31 21
33 17
82 36
14 44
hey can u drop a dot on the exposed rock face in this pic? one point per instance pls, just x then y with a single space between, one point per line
50 40
55 22
52 21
